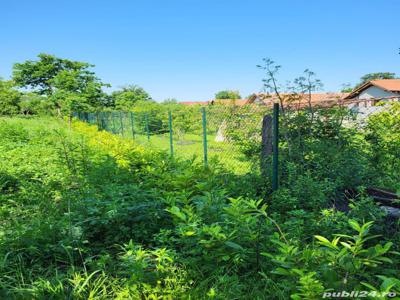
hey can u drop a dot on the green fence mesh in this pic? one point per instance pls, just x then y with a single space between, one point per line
232 134
224 133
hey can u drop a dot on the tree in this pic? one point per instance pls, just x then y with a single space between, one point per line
375 76
228 94
170 101
130 95
79 85
34 104
38 75
61 80
346 88
368 77
9 98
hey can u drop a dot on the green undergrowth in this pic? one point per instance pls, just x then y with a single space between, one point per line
89 215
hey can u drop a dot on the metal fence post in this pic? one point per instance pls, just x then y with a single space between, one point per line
171 144
98 121
109 129
203 110
114 130
103 123
275 144
147 126
132 125
122 123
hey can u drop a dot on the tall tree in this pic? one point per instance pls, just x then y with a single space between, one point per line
61 79
39 74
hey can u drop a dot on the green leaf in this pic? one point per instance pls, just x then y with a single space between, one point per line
325 242
371 287
281 271
174 210
234 245
354 224
346 245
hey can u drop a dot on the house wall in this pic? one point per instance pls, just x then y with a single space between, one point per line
372 92
375 92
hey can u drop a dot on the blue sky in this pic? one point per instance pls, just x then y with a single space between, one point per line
190 49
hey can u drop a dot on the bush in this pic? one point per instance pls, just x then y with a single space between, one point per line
9 98
87 214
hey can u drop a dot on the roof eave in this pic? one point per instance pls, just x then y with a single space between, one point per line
358 90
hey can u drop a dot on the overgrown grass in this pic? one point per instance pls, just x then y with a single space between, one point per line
90 215
190 146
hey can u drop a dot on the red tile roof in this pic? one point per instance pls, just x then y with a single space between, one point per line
301 100
238 102
290 100
390 85
194 102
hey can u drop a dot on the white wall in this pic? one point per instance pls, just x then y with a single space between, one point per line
375 92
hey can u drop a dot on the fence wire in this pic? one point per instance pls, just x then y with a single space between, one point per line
231 134
222 133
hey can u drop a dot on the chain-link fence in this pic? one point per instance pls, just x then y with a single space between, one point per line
341 144
233 135
229 134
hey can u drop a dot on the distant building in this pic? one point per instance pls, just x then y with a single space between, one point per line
298 101
194 102
238 102
364 96
374 91
289 100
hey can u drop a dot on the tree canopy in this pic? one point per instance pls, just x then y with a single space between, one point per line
130 95
368 77
68 84
9 98
228 94
375 76
40 74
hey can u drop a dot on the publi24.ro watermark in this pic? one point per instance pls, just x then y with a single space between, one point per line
358 294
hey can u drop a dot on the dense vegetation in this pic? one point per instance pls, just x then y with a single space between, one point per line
88 215
227 94
56 86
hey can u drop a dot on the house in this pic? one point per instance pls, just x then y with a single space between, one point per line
238 102
374 91
294 101
194 102
298 101
364 96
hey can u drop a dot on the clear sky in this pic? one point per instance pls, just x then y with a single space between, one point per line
190 49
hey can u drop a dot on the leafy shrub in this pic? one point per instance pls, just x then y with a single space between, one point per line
86 214
8 183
